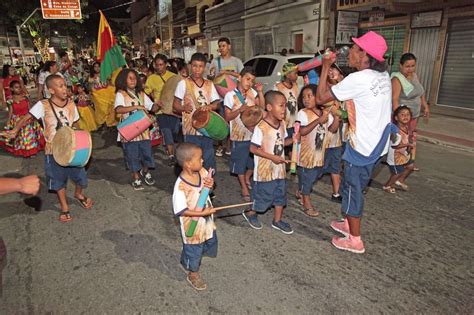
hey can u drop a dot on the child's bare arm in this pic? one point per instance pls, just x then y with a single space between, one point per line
128 109
204 213
260 152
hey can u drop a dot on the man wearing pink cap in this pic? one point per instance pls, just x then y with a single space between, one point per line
368 94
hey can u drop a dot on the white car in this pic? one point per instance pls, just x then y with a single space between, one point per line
268 68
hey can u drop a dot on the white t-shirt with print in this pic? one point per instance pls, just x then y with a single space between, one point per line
371 92
37 111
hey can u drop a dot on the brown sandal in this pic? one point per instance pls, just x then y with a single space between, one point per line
84 201
65 216
311 212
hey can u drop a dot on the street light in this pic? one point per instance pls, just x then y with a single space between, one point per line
20 39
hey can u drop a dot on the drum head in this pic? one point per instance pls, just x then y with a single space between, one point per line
251 116
64 143
200 118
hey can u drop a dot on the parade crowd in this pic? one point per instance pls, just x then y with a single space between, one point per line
344 125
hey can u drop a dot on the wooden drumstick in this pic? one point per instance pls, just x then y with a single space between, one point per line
233 206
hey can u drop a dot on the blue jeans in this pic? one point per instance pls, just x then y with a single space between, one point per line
138 154
267 194
169 127
240 159
354 181
192 254
57 175
307 177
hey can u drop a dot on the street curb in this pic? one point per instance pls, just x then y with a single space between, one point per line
444 143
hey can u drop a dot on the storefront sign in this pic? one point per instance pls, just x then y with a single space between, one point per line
61 9
376 18
427 19
347 26
358 4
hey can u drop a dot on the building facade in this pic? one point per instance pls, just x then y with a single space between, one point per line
439 33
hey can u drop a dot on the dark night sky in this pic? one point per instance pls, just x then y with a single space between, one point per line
119 12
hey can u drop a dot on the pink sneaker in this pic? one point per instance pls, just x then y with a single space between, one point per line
341 226
350 243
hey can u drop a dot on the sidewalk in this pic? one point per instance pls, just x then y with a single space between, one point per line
447 131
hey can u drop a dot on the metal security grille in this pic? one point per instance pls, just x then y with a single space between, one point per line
424 42
456 85
395 37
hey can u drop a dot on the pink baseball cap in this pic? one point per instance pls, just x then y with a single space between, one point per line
373 44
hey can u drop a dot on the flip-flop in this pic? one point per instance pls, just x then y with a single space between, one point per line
389 189
310 212
65 216
83 202
299 197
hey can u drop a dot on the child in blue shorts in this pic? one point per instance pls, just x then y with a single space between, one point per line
316 123
399 153
267 145
55 112
129 98
235 103
186 193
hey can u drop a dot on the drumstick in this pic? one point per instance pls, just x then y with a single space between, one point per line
233 206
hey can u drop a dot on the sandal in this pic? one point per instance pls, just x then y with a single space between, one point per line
65 216
299 197
311 212
402 186
389 189
85 202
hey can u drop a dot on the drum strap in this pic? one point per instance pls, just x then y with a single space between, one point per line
219 64
190 89
59 124
240 96
164 81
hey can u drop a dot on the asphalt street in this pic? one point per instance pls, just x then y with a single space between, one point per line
122 256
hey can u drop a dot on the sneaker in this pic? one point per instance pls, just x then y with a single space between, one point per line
252 220
196 282
341 226
336 198
172 161
282 226
350 243
228 153
137 184
147 177
219 152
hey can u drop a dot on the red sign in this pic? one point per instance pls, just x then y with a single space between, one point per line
61 9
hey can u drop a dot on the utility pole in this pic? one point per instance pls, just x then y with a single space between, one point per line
20 39
170 26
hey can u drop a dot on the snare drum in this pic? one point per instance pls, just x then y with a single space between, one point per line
251 117
72 147
134 125
224 84
210 124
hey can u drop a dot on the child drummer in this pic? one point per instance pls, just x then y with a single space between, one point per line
236 102
268 141
55 112
186 193
138 154
192 93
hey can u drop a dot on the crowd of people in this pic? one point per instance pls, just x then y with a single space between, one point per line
342 126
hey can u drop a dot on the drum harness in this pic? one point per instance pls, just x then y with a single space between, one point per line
59 124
